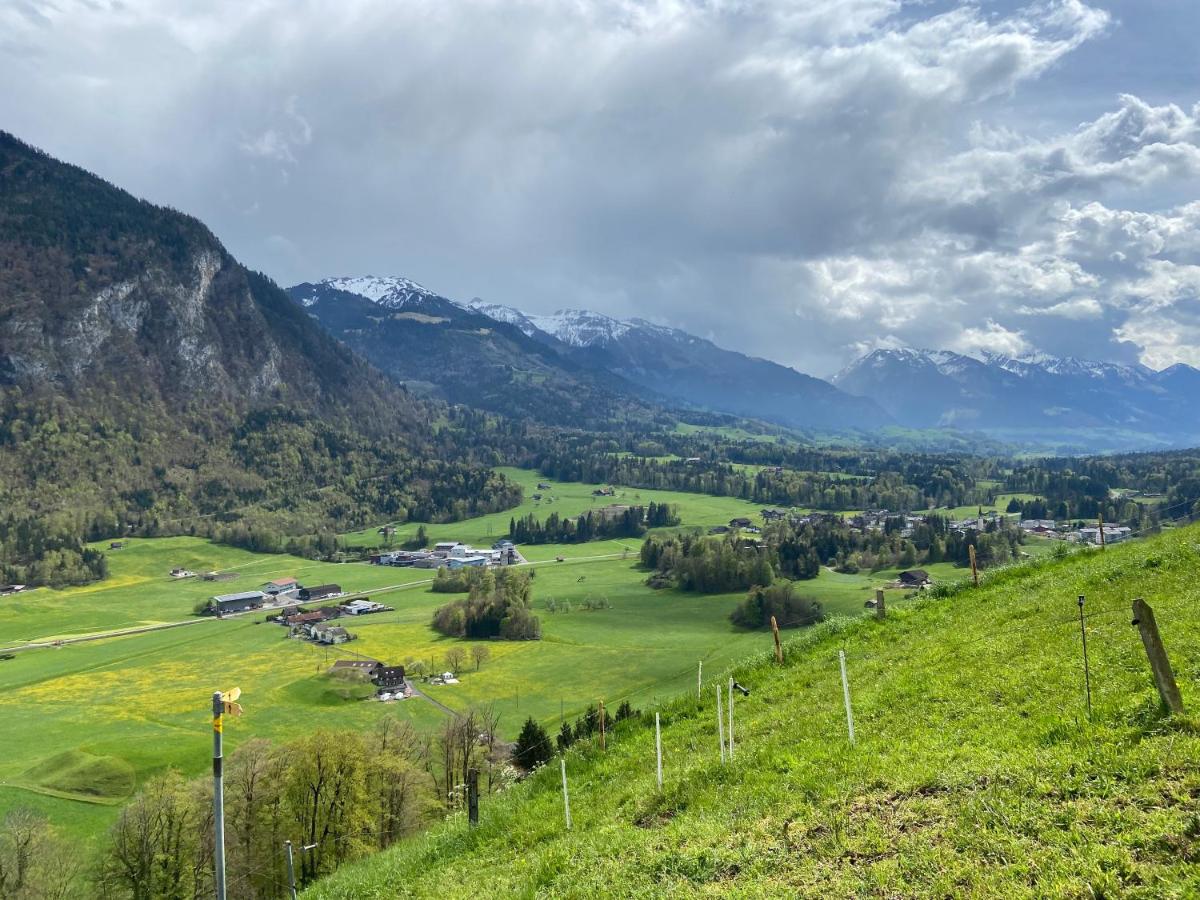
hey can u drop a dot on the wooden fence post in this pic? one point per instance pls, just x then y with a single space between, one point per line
1160 666
778 647
602 746
880 604
1100 528
473 797
974 569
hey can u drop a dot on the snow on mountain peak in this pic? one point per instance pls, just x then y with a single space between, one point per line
392 291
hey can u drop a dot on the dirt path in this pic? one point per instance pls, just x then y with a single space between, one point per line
101 635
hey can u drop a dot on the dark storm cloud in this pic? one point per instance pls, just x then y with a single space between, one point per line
798 180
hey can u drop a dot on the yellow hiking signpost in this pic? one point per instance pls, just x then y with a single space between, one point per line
223 703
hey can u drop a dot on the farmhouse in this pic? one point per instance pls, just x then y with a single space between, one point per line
740 522
914 578
6 589
388 676
330 634
223 604
774 514
182 573
543 486
320 592
301 619
280 586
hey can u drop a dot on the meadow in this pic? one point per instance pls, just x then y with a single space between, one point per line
85 722
976 770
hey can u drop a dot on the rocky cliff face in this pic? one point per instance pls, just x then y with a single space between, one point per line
102 291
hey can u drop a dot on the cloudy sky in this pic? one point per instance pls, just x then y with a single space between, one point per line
798 179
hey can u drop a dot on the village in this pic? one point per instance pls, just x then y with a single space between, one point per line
904 523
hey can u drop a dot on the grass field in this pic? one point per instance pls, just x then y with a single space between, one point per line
976 771
86 721
568 499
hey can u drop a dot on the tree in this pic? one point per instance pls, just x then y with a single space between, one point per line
34 863
566 737
481 653
455 657
533 747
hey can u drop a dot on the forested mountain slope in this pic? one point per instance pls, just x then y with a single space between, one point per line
975 770
147 379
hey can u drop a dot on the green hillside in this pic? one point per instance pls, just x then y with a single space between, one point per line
976 771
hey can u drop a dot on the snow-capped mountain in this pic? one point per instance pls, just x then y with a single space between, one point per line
434 345
677 365
929 388
583 358
391 291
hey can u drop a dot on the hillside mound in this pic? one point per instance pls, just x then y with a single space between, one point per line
85 775
975 770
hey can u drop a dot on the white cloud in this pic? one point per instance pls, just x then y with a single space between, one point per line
991 337
802 180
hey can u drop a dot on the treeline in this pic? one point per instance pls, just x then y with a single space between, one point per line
273 480
46 551
827 479
498 605
630 522
338 794
1136 489
694 562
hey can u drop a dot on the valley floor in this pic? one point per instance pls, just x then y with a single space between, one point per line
127 707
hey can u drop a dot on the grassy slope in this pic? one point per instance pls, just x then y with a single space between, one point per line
975 772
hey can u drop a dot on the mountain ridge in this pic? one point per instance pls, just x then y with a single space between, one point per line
649 362
992 392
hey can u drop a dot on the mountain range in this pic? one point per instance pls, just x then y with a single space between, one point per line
1032 395
572 367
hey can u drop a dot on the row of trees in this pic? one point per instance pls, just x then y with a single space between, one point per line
592 525
339 794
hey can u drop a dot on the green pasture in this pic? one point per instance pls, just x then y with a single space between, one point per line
976 770
140 590
566 499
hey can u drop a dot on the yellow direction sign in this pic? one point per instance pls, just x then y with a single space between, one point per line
227 702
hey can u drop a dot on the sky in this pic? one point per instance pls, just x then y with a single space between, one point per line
802 181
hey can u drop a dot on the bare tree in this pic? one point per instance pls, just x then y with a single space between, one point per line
481 653
455 657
